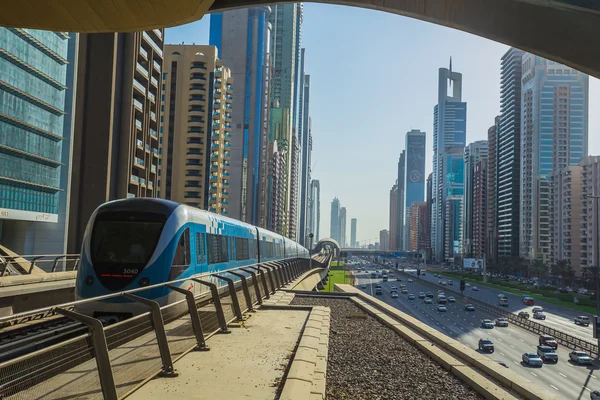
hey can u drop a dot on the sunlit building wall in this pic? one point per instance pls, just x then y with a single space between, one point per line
474 152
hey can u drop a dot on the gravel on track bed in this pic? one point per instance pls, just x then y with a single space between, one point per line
369 361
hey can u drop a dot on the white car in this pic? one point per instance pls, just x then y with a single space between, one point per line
410 279
442 308
363 286
394 295
532 359
580 357
475 288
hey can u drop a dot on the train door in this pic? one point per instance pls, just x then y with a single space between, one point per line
201 261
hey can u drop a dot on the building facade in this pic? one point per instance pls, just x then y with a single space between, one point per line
196 128
453 225
509 147
384 239
276 188
565 210
119 77
474 153
479 208
418 227
315 209
393 217
491 233
249 65
353 222
428 199
554 135
590 186
306 142
37 80
414 190
449 132
343 224
334 225
399 228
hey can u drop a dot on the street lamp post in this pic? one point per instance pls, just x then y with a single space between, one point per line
597 264
310 239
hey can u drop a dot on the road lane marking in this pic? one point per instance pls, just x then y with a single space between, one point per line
512 346
516 362
554 387
593 376
521 340
561 374
589 390
503 355
532 373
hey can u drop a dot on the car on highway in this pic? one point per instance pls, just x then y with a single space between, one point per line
475 288
582 320
469 307
423 273
429 294
363 286
398 279
580 357
548 341
537 309
501 322
487 324
394 295
547 353
486 345
402 285
421 295
411 296
451 299
378 292
428 301
404 291
395 288
528 301
467 284
443 283
532 359
442 308
524 314
450 282
595 395
410 279
502 363
539 315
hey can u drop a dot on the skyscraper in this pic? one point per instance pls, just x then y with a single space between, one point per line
306 152
343 225
479 208
491 233
509 146
449 131
334 225
393 216
353 234
474 153
428 222
399 227
37 78
384 239
195 127
315 209
590 186
242 37
414 191
554 135
119 77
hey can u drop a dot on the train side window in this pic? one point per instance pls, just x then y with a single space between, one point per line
232 249
224 254
182 258
241 249
200 248
217 248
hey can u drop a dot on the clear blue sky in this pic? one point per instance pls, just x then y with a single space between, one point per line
373 78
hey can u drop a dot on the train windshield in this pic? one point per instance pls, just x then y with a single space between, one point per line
123 243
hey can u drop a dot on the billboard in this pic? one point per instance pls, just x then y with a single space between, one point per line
473 263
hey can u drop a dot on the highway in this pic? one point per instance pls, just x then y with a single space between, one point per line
556 317
567 379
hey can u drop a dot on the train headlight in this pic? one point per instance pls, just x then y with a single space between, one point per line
89 280
144 282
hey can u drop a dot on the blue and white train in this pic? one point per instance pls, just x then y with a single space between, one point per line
138 242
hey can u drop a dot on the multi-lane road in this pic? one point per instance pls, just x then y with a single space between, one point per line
566 379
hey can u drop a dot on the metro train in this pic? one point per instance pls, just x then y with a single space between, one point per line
137 242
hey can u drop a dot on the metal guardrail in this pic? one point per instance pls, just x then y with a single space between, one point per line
24 265
98 363
565 339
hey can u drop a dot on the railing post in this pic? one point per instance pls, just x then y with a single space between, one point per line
33 260
263 279
278 276
217 302
161 335
245 289
105 374
76 265
255 284
55 264
4 265
270 273
233 294
294 269
196 323
286 271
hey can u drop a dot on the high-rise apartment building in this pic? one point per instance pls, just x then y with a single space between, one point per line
554 135
306 143
418 227
276 184
343 225
399 228
353 222
195 128
491 233
453 235
508 164
428 199
474 153
393 217
590 186
115 140
334 225
384 239
37 79
565 211
314 215
449 132
479 208
242 39
414 188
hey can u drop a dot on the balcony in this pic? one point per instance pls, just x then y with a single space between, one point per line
154 81
155 152
143 53
227 127
215 135
218 83
140 144
156 65
215 146
142 182
226 155
225 194
152 97
153 134
227 135
138 104
226 164
139 86
216 115
139 162
150 185
217 94
228 108
226 183
218 73
214 167
228 99
217 104
226 173
155 47
225 202
148 148
153 115
214 156
216 125
153 168
141 70
227 117
214 178
138 124
227 145
135 179
130 195
212 209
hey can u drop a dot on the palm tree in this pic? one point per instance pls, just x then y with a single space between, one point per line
539 269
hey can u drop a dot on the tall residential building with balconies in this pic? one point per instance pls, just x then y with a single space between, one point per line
343 224
428 199
37 78
479 208
393 217
399 231
353 222
449 131
590 186
196 128
306 142
508 163
454 228
417 240
491 232
554 135
242 40
565 211
276 211
414 186
384 239
474 153
334 223
115 141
